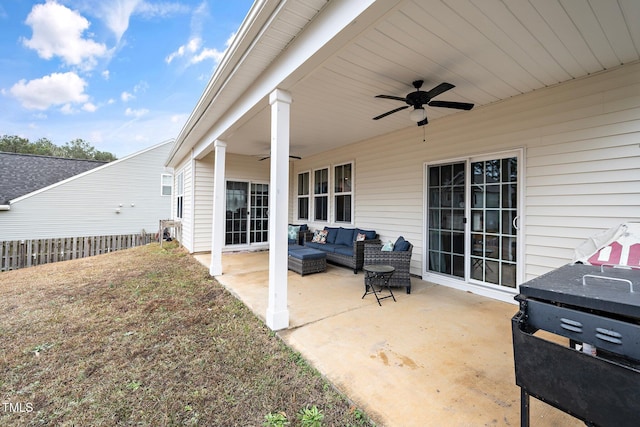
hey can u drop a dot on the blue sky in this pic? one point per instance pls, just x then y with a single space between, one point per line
121 74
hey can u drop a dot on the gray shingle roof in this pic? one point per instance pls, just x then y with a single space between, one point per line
22 174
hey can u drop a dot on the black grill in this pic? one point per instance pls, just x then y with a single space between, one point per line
588 362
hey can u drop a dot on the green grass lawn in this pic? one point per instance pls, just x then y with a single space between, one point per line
146 337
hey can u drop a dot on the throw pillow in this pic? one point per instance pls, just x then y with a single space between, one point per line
360 237
401 245
319 236
293 232
387 247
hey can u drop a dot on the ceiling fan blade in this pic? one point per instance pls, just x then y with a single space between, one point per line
397 98
442 87
451 104
390 112
291 157
423 122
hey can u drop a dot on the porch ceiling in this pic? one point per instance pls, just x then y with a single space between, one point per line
490 50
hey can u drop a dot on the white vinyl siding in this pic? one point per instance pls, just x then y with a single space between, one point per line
203 203
85 205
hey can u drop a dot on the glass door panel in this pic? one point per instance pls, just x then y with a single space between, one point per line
259 227
493 216
236 220
447 194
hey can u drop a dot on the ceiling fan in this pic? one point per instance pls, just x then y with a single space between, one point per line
420 98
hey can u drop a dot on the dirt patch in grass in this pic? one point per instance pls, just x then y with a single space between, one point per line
145 337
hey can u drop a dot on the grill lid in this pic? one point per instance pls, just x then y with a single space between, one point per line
612 290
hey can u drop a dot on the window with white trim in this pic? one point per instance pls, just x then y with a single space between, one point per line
166 184
321 194
179 194
303 196
342 192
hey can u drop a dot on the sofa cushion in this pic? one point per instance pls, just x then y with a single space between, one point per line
345 236
307 253
327 247
370 234
401 245
332 234
314 245
344 250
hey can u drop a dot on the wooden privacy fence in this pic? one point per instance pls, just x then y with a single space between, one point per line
28 253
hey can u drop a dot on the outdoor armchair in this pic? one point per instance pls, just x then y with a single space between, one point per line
400 260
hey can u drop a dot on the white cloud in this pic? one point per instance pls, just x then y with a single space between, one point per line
116 15
57 31
150 10
90 107
214 54
105 74
54 89
126 96
135 113
141 87
193 51
67 109
187 49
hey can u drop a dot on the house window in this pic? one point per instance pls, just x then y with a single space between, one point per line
321 194
179 194
342 192
303 196
166 182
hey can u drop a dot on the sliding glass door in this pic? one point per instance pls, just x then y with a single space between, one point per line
472 220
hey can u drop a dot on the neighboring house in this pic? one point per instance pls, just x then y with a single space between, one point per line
47 197
490 197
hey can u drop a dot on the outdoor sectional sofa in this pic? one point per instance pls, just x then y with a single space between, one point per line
342 247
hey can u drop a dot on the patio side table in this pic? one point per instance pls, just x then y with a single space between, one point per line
378 275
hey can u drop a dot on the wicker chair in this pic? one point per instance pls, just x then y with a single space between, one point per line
400 260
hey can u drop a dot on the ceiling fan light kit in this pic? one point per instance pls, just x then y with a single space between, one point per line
417 115
420 98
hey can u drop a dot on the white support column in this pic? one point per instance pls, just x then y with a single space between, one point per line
277 310
217 222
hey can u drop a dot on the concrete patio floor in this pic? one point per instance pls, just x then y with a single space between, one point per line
436 357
